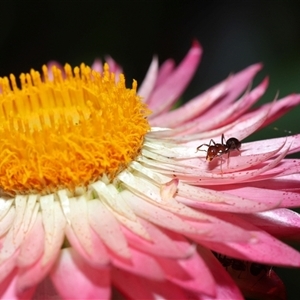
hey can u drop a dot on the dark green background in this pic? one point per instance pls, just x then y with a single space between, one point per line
234 34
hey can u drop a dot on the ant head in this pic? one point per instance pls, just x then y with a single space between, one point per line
212 152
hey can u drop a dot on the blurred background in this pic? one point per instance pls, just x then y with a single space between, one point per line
234 34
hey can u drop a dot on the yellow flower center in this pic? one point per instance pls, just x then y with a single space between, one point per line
69 131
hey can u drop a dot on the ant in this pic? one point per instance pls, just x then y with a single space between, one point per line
251 275
252 268
216 150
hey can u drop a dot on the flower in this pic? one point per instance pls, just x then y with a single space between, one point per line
93 197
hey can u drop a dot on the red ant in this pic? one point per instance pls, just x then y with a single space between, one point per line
251 270
216 150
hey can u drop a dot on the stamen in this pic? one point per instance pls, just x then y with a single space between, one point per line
69 131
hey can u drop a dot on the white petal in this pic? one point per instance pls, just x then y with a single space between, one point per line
30 212
33 245
54 223
106 226
5 205
110 196
78 216
64 200
7 221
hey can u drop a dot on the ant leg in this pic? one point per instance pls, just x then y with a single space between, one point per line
198 148
219 155
228 159
223 139
270 271
207 145
212 141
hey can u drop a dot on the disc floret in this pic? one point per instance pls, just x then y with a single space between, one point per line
69 131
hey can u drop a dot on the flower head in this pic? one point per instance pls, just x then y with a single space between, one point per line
93 197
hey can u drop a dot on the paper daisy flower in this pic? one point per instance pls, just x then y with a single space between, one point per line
99 195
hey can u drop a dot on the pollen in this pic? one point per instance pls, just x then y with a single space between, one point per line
69 131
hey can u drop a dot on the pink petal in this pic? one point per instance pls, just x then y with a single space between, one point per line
198 105
190 273
221 231
164 72
140 264
286 167
176 83
295 147
7 266
282 223
141 288
261 195
8 289
225 286
211 199
133 286
32 247
264 171
148 83
157 215
114 67
192 108
266 250
96 255
46 291
282 183
247 124
238 108
165 290
230 114
82 237
240 129
163 242
107 228
252 155
292 140
236 86
75 279
214 174
240 81
281 107
32 275
97 65
207 228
